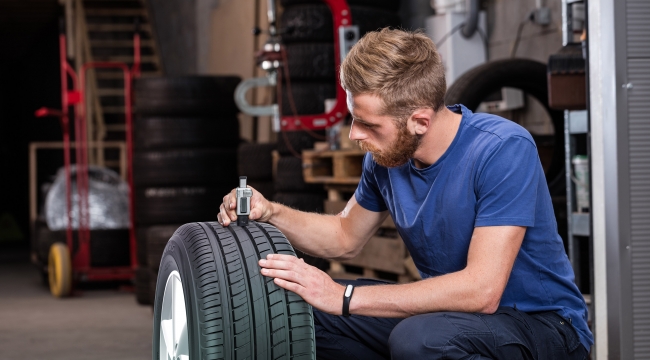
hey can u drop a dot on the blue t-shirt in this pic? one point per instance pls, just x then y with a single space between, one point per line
489 176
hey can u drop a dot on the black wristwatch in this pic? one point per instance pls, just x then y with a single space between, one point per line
347 295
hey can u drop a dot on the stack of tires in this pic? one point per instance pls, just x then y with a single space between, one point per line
307 32
308 35
256 163
185 160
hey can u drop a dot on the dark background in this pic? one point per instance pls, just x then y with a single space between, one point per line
29 79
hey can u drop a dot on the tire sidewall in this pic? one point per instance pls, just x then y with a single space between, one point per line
175 258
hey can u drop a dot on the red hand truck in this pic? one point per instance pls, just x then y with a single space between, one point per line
66 268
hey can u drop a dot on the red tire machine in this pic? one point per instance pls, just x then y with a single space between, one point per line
80 262
273 57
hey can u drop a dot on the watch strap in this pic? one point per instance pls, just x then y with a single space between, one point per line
347 296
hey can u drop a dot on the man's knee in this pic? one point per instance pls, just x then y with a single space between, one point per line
433 335
412 337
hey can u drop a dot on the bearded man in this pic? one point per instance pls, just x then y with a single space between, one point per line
467 194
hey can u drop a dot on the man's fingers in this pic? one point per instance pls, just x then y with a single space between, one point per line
282 257
288 285
288 275
223 217
277 264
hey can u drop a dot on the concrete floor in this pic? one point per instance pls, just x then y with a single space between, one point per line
95 324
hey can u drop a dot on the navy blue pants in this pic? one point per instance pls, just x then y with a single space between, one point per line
506 334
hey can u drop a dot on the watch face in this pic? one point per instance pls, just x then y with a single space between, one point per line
348 291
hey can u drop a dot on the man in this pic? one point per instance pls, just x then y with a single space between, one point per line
467 194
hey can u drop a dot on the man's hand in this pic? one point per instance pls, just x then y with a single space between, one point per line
313 285
261 209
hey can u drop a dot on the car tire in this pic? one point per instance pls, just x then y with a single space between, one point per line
389 5
185 167
173 205
185 132
186 96
313 22
255 161
212 302
526 75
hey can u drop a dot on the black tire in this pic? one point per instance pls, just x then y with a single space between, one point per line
173 205
255 161
266 188
187 132
186 96
298 141
289 177
311 61
390 5
141 246
319 263
313 22
156 238
526 75
185 167
311 202
143 286
309 97
107 247
232 311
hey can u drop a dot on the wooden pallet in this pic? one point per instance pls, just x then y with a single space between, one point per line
341 167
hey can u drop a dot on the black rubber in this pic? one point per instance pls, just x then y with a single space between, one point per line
233 312
289 177
185 167
141 245
156 238
313 22
319 263
527 75
266 188
298 141
173 205
255 161
309 97
107 247
311 202
143 286
311 61
186 96
185 132
390 5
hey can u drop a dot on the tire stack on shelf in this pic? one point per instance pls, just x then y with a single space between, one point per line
307 33
256 163
186 135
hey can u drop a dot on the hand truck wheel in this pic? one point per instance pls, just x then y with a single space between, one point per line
59 270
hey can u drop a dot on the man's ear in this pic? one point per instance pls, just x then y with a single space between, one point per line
420 121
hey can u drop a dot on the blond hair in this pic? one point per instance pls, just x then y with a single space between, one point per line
402 68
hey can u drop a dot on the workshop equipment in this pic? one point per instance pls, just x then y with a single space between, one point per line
70 262
244 195
567 85
273 57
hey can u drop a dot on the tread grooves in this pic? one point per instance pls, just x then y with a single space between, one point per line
251 315
287 334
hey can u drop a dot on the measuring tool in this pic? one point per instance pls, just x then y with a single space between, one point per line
243 202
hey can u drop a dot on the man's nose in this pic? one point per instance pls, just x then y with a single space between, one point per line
356 133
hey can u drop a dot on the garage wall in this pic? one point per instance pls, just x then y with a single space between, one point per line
537 42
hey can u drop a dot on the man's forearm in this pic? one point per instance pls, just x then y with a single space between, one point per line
316 234
452 292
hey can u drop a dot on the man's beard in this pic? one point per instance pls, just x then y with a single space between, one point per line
398 153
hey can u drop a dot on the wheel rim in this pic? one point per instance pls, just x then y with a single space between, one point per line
174 342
